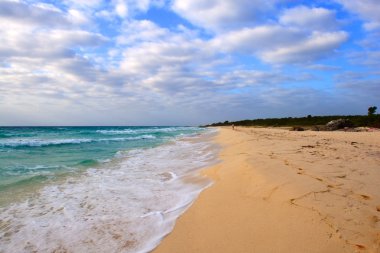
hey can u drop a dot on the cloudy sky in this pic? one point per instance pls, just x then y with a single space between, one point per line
185 62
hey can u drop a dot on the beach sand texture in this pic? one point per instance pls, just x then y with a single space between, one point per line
282 191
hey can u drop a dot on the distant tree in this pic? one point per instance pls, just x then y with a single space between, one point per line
226 122
372 110
309 116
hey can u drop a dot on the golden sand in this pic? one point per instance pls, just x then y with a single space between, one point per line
282 191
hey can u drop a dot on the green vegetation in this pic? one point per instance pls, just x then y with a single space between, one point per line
357 120
372 110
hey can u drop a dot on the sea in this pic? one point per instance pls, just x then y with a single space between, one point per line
98 189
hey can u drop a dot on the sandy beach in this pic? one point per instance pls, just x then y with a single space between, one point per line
282 191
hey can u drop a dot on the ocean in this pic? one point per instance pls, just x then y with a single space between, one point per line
97 189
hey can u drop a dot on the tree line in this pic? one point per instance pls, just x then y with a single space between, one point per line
370 120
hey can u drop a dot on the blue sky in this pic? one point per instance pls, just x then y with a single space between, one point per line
185 62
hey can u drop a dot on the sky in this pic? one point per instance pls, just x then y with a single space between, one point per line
185 62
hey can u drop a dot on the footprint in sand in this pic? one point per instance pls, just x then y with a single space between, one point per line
308 146
270 193
374 220
361 247
378 208
300 171
365 197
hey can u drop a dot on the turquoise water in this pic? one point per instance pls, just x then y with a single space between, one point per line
98 189
37 154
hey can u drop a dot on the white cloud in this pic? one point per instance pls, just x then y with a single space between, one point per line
110 9
367 10
55 61
368 57
34 43
313 48
121 8
128 8
22 13
243 78
254 40
41 58
302 34
309 18
141 31
78 17
222 14
277 44
162 61
84 3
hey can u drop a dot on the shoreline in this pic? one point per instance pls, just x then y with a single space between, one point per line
127 204
281 191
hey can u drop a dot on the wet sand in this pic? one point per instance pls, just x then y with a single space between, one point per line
282 191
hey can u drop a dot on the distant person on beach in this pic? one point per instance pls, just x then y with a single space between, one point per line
233 127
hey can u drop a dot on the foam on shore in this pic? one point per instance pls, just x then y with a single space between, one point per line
128 206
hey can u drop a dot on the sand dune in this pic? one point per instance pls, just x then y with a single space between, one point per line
282 191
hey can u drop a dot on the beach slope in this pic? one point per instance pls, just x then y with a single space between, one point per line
282 191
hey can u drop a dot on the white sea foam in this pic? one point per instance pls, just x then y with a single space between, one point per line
140 137
40 142
146 130
47 142
125 131
127 207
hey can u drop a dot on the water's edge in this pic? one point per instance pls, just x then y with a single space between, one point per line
119 209
196 178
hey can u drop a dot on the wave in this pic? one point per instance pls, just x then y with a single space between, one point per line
88 162
33 170
141 137
11 135
40 142
54 142
125 131
117 198
23 182
146 130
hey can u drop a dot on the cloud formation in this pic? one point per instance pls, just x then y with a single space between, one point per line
368 10
221 15
37 14
301 35
122 62
316 19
